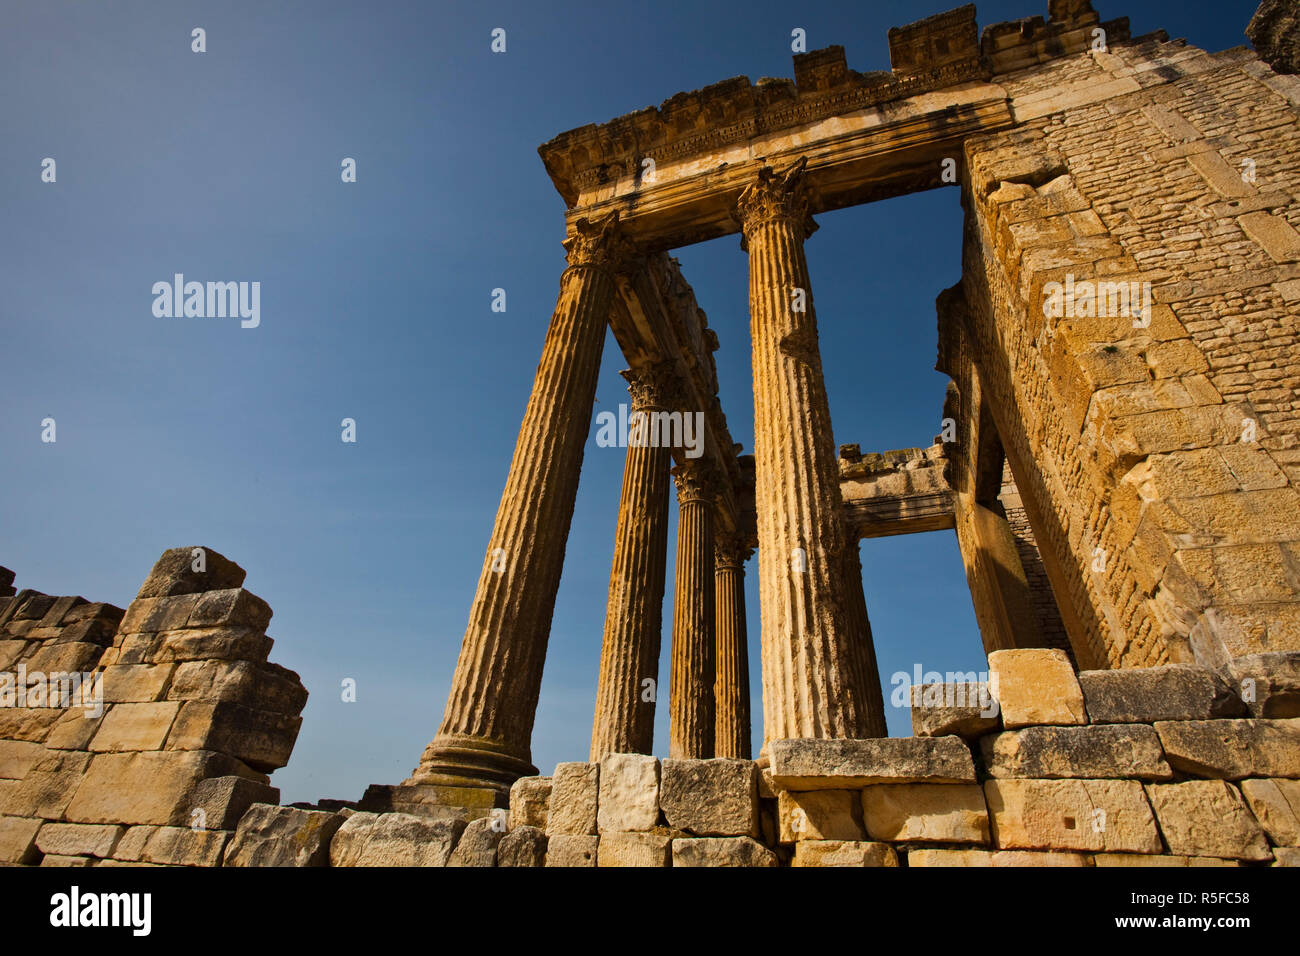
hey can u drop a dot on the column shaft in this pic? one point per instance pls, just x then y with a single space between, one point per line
811 686
694 650
485 736
625 705
864 647
732 686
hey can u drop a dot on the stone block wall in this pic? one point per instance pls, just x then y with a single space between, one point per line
176 720
1139 767
1157 464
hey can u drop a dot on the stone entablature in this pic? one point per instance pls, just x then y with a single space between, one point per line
895 492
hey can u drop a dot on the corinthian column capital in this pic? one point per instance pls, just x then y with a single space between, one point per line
697 480
653 386
780 196
600 243
729 551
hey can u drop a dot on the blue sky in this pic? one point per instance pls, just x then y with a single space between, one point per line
375 305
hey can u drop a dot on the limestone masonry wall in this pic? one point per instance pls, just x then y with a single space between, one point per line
1153 766
1156 463
170 738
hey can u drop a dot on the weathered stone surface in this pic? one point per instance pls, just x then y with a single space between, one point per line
74 730
437 802
530 798
926 813
1146 694
49 786
574 799
154 787
1276 805
136 683
55 860
633 849
158 614
28 724
1114 750
130 847
212 644
841 764
67 657
1207 818
174 573
1157 859
394 839
233 607
183 846
135 727
478 844
1269 683
522 846
1020 858
820 815
1110 815
283 836
1274 31
717 797
942 710
722 851
571 849
843 853
223 801
930 858
1232 749
257 685
78 839
999 858
17 757
629 793
262 739
1036 686
18 839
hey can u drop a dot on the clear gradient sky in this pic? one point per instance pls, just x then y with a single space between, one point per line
375 305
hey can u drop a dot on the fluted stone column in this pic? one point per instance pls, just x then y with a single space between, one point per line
625 705
863 645
731 688
812 686
486 728
694 651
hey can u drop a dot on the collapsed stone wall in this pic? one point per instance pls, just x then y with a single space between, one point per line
1157 464
170 734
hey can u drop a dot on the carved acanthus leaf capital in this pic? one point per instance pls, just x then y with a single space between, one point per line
599 243
730 551
697 480
776 196
655 386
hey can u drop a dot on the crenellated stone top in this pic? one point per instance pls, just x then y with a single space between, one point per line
938 52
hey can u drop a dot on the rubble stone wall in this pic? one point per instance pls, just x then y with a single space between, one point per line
179 719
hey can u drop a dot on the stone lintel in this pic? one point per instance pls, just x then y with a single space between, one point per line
856 155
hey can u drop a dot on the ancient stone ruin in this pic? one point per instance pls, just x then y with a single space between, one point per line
1119 459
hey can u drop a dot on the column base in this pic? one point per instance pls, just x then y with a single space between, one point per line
459 760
